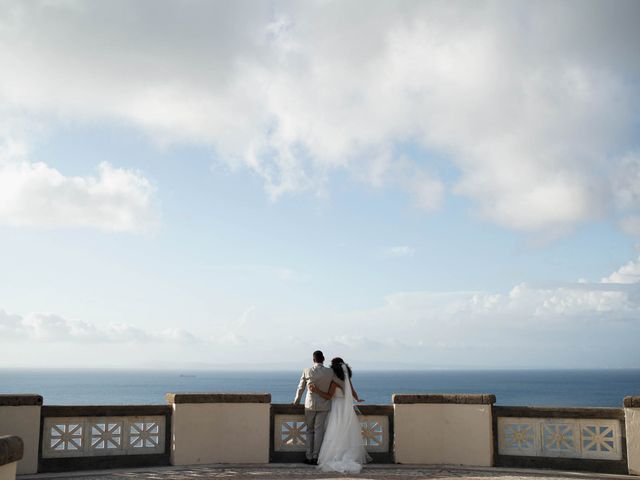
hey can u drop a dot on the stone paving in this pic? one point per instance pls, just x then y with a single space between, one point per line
297 471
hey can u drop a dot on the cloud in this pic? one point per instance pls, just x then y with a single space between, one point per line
400 251
51 328
533 105
577 324
34 194
628 273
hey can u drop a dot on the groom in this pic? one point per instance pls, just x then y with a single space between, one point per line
316 408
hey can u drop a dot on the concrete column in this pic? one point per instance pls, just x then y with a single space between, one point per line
632 427
443 429
20 416
11 451
219 428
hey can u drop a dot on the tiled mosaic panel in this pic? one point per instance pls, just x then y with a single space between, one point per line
290 433
99 436
571 438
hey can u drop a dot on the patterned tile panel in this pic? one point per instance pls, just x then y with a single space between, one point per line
99 436
551 437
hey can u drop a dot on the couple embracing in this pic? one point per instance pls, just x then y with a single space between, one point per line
334 438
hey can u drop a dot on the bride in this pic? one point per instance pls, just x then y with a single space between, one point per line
342 448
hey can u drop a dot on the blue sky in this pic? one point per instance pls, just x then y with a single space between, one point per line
240 197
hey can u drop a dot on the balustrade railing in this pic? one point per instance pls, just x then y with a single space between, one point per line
564 438
288 432
98 436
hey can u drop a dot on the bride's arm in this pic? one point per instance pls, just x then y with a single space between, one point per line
326 395
355 395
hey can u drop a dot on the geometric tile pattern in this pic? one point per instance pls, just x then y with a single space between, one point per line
144 434
551 437
375 432
290 433
99 436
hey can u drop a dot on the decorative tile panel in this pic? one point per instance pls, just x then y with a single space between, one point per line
600 439
106 436
66 437
100 436
560 439
375 432
290 433
518 438
551 437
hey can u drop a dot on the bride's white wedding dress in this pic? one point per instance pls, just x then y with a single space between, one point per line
342 448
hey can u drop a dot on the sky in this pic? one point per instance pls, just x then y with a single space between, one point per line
404 184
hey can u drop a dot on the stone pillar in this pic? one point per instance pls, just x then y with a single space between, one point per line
219 428
20 416
11 451
443 429
632 427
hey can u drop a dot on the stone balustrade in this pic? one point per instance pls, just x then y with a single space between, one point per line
591 439
288 432
208 428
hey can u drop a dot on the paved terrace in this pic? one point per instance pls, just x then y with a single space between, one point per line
297 471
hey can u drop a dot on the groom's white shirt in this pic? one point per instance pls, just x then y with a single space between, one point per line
321 377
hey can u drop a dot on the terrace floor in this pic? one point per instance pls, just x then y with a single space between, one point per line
298 471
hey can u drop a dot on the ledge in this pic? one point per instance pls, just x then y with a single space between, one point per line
104 410
20 399
632 402
463 399
218 398
559 412
11 449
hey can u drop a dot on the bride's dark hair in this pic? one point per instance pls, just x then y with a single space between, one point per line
336 366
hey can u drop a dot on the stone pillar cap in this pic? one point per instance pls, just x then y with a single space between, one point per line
455 398
11 449
632 402
19 399
173 398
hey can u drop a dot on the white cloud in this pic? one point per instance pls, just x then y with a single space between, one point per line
51 328
400 251
572 325
533 103
628 273
34 194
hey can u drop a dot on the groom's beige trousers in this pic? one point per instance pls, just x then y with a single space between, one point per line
315 421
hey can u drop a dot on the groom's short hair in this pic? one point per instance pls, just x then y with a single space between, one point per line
318 357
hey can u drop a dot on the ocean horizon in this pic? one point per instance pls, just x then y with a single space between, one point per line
525 387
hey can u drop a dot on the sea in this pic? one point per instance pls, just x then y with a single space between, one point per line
577 388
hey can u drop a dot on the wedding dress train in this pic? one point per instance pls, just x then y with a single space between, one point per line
342 448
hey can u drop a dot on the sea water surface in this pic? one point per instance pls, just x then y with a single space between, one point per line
586 388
